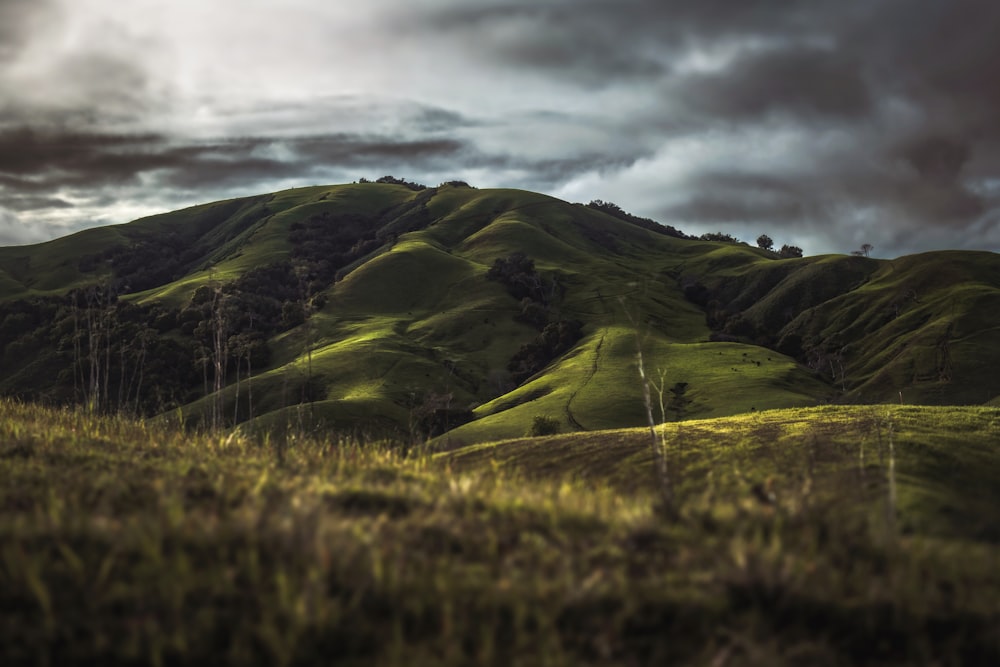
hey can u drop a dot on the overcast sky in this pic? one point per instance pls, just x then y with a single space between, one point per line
825 124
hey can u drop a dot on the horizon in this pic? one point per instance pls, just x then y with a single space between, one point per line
777 243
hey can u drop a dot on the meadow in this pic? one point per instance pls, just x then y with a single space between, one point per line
805 536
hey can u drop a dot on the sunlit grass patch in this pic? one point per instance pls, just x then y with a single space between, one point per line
129 541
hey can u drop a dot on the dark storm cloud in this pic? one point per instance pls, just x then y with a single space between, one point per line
571 42
944 55
28 152
740 196
235 163
620 26
32 160
806 82
936 158
912 86
717 209
833 120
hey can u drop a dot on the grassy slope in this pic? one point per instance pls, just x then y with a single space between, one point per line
923 325
165 547
431 291
51 267
422 317
947 458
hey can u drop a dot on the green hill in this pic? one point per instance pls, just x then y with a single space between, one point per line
463 314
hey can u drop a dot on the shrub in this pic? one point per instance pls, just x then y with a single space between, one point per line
720 237
788 251
542 425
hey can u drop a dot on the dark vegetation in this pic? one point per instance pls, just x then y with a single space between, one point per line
553 341
542 425
151 260
392 180
616 211
721 237
437 414
538 297
92 347
843 319
789 251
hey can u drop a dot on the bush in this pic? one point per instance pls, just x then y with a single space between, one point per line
788 251
541 425
720 237
555 339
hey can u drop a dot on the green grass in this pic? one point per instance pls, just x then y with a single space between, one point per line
596 386
421 316
51 267
237 248
124 542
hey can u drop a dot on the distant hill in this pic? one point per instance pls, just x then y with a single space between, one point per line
464 314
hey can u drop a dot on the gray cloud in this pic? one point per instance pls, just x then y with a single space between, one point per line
34 202
33 160
557 41
813 84
936 158
19 19
817 120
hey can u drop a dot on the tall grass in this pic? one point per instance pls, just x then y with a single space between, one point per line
125 542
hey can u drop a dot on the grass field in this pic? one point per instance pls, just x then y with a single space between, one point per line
821 536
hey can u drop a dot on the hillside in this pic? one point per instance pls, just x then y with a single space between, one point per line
392 308
822 536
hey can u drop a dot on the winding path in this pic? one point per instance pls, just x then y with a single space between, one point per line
593 371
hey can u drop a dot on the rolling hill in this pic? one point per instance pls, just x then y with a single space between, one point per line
463 314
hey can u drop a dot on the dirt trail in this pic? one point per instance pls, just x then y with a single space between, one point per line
593 371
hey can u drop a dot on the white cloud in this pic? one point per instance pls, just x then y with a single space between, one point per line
13 231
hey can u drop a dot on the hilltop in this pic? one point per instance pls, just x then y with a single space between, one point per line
464 314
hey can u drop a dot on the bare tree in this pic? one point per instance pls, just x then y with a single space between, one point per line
864 251
658 447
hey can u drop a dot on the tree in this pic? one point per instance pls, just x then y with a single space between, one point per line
765 242
790 251
864 251
679 400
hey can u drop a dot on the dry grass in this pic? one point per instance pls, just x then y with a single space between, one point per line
120 542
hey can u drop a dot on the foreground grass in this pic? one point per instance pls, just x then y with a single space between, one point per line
124 543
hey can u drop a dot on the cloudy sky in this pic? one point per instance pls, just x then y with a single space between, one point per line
825 124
